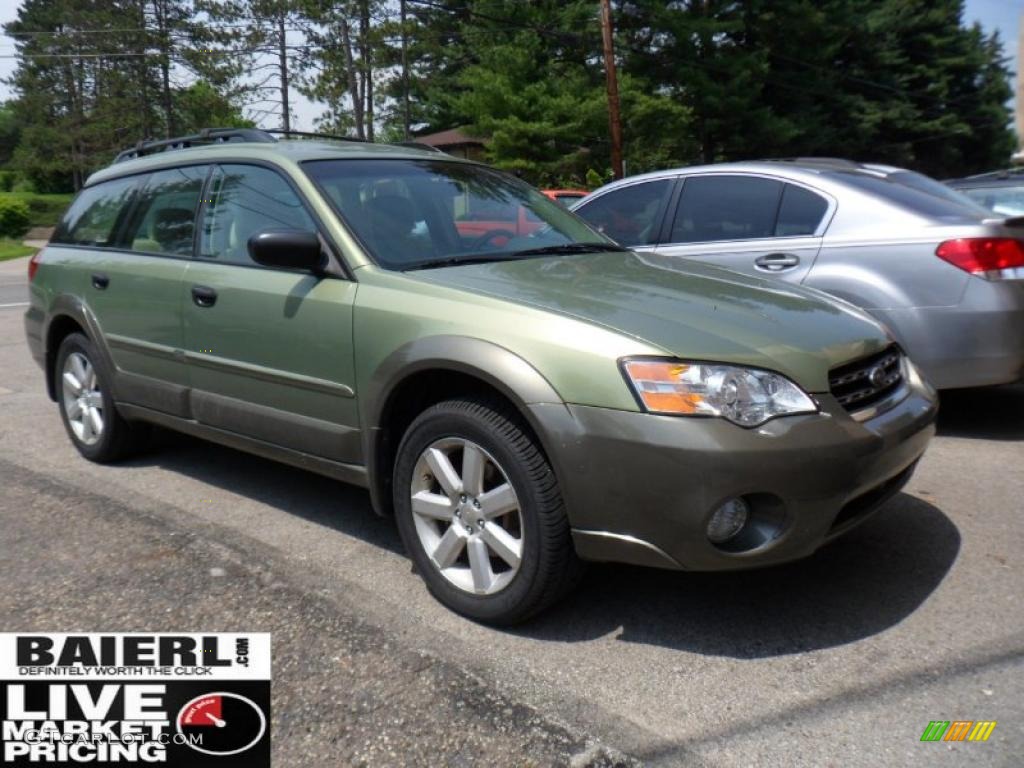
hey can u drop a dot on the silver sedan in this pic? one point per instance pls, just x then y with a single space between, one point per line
945 275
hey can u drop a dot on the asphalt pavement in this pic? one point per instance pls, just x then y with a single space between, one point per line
838 660
13 292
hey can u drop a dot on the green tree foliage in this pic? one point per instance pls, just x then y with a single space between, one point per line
348 46
530 93
200 105
14 218
898 81
91 79
440 46
528 77
264 63
10 132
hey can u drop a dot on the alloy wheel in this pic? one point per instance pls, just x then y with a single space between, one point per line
468 520
83 399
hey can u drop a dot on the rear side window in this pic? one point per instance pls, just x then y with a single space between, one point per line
94 216
244 200
801 212
726 208
163 218
630 215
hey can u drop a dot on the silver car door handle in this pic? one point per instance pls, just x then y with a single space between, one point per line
777 262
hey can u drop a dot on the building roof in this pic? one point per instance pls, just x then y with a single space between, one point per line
453 137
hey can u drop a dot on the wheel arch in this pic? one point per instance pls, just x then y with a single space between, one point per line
70 315
433 369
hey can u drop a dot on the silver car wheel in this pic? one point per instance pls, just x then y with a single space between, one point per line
83 399
468 521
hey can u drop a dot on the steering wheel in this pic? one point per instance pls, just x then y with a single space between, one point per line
489 235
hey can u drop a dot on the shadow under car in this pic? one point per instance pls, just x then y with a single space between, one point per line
865 581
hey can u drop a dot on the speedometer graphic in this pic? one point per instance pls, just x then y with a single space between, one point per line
221 723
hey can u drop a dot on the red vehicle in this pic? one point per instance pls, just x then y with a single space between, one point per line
565 196
501 221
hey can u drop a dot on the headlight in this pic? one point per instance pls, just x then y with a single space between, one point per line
744 396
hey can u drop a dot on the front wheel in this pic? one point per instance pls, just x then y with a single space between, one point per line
480 513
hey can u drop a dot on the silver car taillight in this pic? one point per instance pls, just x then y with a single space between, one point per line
994 258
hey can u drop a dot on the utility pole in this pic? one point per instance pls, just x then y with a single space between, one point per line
614 121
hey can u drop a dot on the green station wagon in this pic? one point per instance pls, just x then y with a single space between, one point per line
520 403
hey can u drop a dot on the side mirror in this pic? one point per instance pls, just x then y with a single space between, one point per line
288 248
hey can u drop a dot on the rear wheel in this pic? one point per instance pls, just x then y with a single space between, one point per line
480 513
87 409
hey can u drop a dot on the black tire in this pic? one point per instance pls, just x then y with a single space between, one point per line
549 567
119 437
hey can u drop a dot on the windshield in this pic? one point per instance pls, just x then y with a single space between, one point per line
417 213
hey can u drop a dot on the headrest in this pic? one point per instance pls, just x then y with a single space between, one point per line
172 226
392 212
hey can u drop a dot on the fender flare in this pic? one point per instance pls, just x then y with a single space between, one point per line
495 365
70 306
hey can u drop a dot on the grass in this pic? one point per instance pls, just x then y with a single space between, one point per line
13 249
43 210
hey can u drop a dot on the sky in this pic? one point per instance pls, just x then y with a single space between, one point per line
1002 15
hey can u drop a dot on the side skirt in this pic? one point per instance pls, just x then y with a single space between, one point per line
346 473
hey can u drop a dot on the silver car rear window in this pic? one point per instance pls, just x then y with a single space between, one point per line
909 197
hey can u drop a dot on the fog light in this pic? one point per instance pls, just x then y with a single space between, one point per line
728 520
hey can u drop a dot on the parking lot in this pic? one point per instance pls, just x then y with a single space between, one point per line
841 659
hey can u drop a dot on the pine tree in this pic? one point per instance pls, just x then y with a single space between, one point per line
90 80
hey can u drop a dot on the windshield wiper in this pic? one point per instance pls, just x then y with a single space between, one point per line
451 261
484 258
569 248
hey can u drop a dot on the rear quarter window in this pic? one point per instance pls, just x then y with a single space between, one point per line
800 213
163 217
94 216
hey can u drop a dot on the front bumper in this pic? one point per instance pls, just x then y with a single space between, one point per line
641 488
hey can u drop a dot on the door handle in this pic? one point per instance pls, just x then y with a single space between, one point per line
203 296
100 281
776 262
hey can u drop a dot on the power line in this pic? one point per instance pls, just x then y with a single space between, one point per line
129 54
213 26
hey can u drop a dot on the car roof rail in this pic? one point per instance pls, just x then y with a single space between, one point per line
337 137
209 136
419 145
314 135
1002 173
836 162
204 137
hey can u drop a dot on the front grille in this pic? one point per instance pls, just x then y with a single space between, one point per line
864 382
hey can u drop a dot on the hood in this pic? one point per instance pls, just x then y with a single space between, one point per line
690 310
